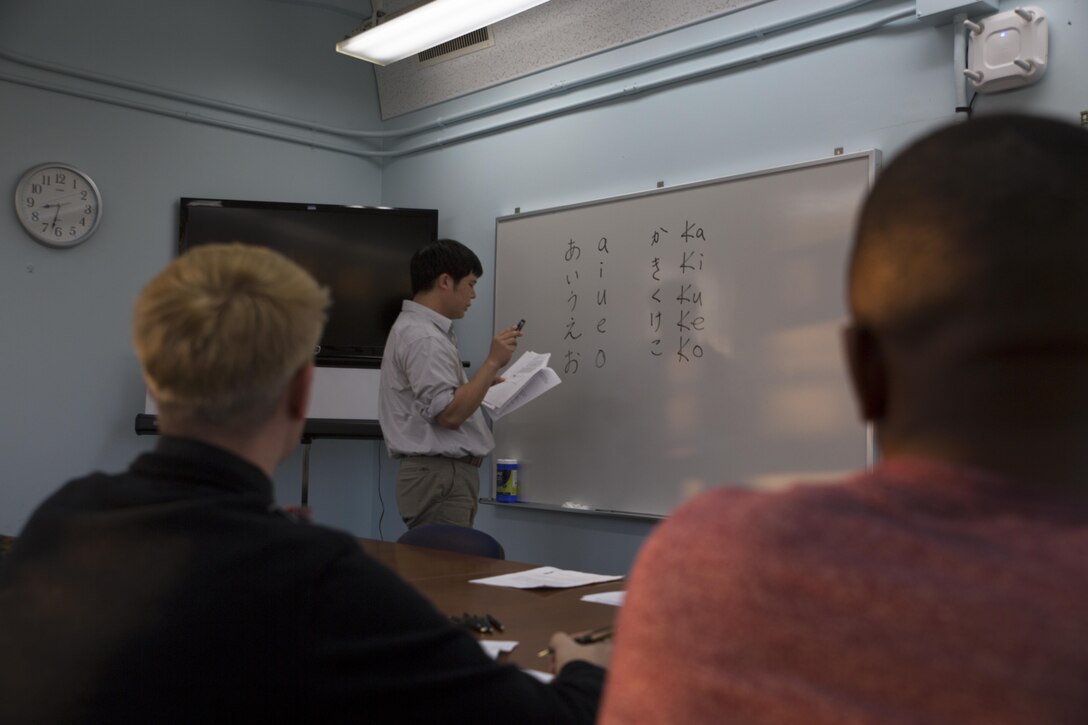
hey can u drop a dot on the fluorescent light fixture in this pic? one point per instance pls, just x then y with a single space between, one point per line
427 26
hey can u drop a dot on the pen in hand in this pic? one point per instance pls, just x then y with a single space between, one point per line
591 637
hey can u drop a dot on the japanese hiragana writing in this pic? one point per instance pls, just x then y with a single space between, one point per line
572 256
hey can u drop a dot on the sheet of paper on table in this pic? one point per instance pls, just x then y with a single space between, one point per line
613 598
495 647
545 577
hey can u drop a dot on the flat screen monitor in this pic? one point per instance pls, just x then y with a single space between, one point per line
360 253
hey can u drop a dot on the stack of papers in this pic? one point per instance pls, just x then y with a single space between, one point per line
526 379
545 577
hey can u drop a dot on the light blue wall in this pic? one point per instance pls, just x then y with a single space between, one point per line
71 387
877 90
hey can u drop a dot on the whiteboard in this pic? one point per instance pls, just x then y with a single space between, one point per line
697 333
337 394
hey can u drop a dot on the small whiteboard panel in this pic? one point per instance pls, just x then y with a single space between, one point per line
337 393
697 332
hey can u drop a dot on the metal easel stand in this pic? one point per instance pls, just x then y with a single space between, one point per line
332 428
148 424
306 441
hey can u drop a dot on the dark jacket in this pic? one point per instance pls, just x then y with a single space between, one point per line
178 592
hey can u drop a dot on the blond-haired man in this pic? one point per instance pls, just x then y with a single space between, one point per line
177 591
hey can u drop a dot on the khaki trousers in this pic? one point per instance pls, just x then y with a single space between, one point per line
437 490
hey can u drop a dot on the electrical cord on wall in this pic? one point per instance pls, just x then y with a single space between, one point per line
381 513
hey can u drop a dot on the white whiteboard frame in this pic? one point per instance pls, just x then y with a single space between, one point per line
867 441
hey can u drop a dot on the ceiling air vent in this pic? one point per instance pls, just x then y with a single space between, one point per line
468 43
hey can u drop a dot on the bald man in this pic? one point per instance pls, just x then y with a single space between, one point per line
950 583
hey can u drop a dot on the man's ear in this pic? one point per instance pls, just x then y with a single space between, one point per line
298 391
868 371
444 281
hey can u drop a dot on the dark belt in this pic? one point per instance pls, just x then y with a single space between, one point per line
476 461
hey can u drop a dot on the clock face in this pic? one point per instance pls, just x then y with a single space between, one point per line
58 205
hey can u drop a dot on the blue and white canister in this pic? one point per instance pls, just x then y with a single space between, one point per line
506 480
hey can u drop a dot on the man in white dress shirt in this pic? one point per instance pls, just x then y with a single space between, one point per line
429 409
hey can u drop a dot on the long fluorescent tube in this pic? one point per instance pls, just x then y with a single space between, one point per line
425 27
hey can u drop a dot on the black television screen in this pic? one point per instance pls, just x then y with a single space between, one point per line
360 253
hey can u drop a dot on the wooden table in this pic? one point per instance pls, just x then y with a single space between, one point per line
529 616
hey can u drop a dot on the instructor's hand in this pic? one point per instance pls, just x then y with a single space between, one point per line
503 346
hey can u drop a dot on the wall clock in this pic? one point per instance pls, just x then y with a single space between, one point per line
58 205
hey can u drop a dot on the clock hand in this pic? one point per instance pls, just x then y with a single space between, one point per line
56 214
71 194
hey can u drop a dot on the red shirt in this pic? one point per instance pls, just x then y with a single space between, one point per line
918 593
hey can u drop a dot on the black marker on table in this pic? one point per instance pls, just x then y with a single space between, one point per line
521 324
591 637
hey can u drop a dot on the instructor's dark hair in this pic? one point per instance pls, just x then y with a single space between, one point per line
446 256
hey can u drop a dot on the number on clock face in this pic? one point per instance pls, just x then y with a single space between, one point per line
58 205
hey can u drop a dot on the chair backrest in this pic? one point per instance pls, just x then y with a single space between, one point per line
454 538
